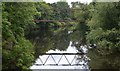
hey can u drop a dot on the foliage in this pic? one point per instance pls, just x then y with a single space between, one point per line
17 51
81 14
20 56
97 23
61 11
104 25
53 11
79 11
44 9
105 32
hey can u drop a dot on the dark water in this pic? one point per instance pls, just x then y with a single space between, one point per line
46 40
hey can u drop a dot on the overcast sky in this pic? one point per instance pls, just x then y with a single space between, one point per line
69 1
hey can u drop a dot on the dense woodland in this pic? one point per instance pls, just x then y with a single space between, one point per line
100 23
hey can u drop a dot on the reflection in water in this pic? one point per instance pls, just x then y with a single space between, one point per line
61 40
78 61
70 40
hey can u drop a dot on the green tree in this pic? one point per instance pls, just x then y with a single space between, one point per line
104 31
61 11
17 51
80 12
104 24
46 14
44 9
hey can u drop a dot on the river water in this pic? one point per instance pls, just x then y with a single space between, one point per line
65 40
83 64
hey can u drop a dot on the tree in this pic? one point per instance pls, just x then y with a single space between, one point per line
17 51
61 11
46 11
104 31
104 23
81 14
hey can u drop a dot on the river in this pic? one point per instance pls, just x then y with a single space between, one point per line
64 40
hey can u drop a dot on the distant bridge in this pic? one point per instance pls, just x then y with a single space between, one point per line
58 21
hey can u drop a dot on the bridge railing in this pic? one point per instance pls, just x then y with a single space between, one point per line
58 21
77 57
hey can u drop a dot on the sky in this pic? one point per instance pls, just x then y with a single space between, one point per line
69 1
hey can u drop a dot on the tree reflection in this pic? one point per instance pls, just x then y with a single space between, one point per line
103 59
59 38
45 40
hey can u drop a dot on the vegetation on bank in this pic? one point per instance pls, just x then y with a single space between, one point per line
100 24
17 51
